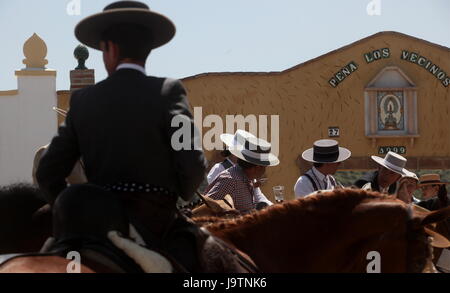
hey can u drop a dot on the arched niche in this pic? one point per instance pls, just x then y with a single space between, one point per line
391 106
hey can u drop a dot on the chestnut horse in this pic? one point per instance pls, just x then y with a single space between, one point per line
333 232
336 231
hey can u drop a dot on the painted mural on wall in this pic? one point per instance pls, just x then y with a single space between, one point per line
390 111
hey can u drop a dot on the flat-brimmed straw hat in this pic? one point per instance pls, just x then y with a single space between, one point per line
89 31
326 151
249 148
393 162
228 139
430 179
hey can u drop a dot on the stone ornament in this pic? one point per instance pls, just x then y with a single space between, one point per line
35 51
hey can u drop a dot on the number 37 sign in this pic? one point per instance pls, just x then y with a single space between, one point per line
333 131
396 149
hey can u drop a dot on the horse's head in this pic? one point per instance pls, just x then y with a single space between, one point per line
393 234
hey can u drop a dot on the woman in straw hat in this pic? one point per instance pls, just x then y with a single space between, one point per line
434 192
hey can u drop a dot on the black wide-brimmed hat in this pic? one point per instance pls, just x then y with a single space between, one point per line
89 31
326 151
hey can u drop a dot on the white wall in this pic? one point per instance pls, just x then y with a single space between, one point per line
27 122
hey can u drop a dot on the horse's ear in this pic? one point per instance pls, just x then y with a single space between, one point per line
427 218
437 239
435 216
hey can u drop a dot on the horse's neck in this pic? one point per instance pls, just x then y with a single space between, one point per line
289 239
263 237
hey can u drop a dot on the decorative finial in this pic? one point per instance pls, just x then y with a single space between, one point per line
81 53
35 51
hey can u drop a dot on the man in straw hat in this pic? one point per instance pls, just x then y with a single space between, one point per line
231 161
121 127
253 157
326 155
390 169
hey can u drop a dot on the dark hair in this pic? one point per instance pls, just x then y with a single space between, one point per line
245 165
318 165
134 41
225 153
442 195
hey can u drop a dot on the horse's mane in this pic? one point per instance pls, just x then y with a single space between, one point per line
17 191
338 200
208 220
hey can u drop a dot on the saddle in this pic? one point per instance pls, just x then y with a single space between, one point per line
94 253
217 256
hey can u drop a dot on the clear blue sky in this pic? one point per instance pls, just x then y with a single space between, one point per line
221 35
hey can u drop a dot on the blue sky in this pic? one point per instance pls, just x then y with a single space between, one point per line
217 36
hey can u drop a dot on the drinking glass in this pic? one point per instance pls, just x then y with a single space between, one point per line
278 191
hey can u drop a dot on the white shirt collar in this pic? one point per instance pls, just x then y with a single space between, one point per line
132 66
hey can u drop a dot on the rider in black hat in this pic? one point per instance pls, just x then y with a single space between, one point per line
121 128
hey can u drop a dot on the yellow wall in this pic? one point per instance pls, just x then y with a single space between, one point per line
308 105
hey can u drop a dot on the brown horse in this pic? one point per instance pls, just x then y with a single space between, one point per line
338 231
40 264
333 232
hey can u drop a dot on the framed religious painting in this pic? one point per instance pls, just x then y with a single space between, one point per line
390 111
391 105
